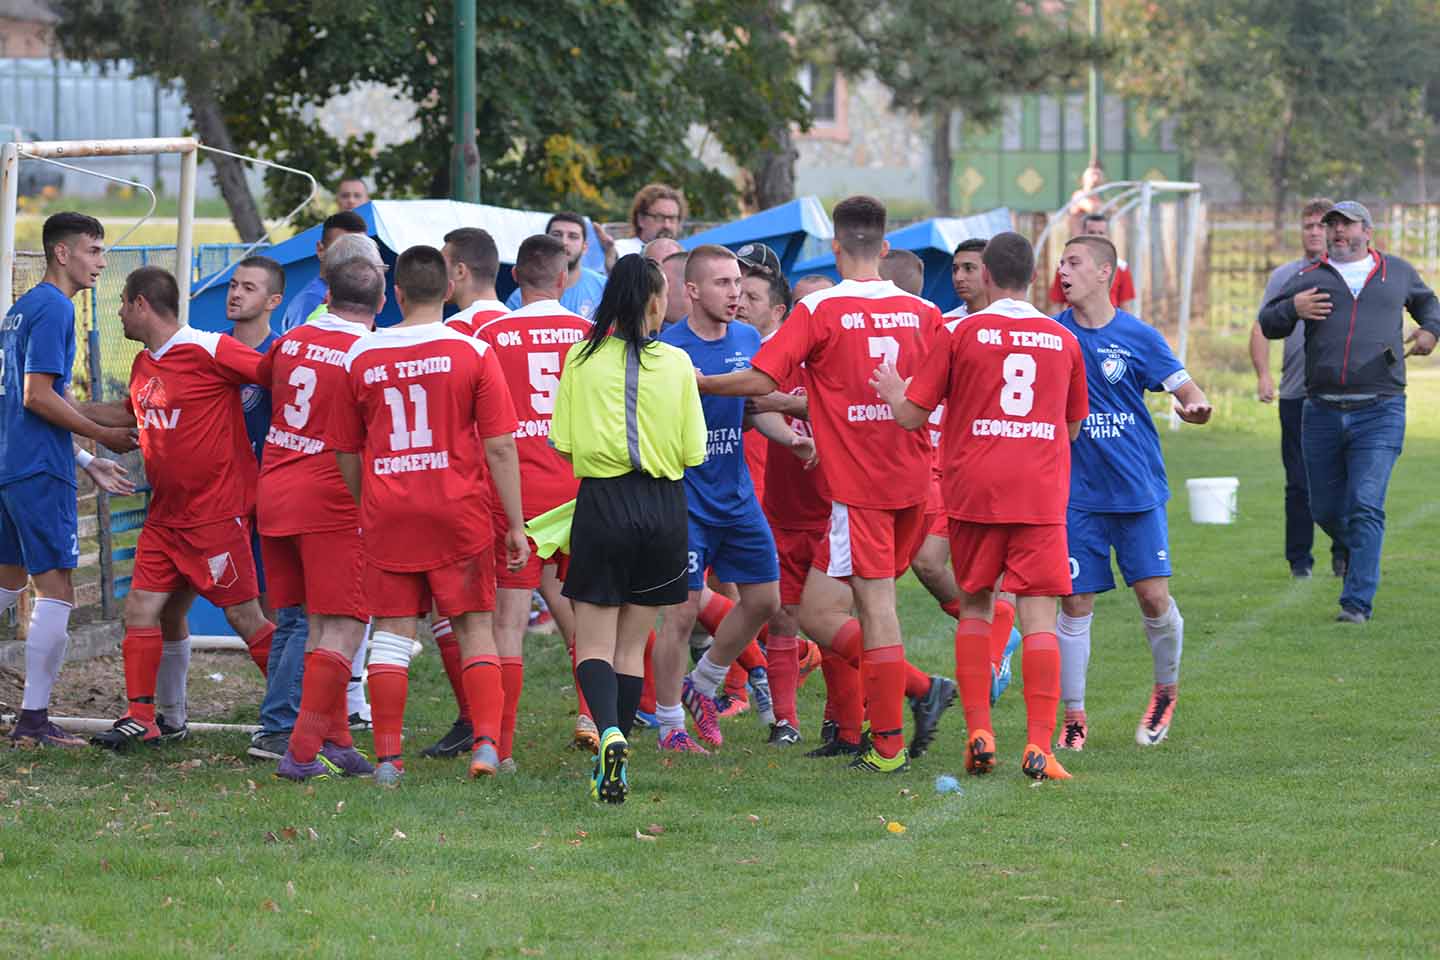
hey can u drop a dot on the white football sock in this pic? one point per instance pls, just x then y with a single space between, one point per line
170 697
8 598
708 675
45 651
669 718
355 692
1074 636
1166 634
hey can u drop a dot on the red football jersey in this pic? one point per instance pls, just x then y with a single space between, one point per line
841 334
531 344
423 399
795 498
300 486
186 401
757 451
1011 380
480 312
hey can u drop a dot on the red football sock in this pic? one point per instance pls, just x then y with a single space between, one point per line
485 692
952 608
259 646
783 655
582 707
450 660
512 680
829 666
917 681
883 671
140 650
1040 668
713 612
752 656
735 680
1000 630
972 672
847 703
849 642
647 691
326 675
389 687
339 733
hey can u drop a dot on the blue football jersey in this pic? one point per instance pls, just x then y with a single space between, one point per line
37 335
720 487
255 401
582 298
1116 466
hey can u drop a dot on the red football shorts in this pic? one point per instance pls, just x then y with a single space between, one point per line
1035 558
528 576
870 543
796 550
937 524
324 572
934 500
214 560
464 586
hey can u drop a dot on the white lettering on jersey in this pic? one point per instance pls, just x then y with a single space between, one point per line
865 412
411 463
532 428
721 442
549 337
293 441
323 354
1013 429
405 369
160 419
899 319
1102 425
1037 339
376 374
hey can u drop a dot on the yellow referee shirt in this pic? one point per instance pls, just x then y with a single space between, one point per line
614 414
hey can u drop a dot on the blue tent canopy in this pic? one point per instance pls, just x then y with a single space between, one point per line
792 230
934 241
396 225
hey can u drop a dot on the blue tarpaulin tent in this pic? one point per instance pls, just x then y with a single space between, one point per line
793 230
934 241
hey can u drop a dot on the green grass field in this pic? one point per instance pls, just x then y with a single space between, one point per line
1291 813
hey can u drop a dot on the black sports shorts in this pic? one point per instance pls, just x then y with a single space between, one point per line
629 542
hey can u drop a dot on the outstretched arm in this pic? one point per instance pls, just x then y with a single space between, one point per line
891 388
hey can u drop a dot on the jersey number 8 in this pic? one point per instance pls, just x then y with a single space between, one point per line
1018 394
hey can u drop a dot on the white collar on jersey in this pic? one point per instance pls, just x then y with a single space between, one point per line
208 339
476 307
336 324
543 308
387 337
1010 307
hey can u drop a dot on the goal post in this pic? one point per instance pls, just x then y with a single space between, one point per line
62 151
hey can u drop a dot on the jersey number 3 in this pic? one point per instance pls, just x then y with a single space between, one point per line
297 414
1017 396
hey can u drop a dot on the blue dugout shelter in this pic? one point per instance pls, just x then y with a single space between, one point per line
794 230
934 241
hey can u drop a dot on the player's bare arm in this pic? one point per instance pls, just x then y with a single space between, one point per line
741 383
350 471
787 404
504 463
772 426
891 388
1260 360
110 477
42 400
1191 404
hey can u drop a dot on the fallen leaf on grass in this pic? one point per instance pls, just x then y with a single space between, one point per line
531 952
749 860
442 838
537 845
398 835
289 833
655 829
270 905
290 889
574 843
271 837
581 834
895 826
251 786
340 807
167 902
644 836
752 818
104 864
310 831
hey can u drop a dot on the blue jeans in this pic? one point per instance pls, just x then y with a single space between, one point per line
1348 458
287 662
1299 526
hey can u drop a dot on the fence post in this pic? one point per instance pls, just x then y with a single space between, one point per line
102 499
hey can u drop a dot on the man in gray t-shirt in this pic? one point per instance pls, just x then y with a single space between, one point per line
1299 526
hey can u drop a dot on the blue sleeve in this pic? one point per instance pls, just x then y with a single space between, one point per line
513 301
49 343
1160 361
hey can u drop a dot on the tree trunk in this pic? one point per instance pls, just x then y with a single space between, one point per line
942 164
229 173
1280 168
774 171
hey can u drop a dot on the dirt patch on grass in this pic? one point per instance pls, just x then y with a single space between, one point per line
222 687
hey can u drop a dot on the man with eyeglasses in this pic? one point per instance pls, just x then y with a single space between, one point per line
658 210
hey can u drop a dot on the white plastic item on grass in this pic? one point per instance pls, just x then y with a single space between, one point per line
1213 499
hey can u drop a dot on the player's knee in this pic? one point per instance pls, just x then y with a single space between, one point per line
1153 595
139 612
246 619
1078 604
389 649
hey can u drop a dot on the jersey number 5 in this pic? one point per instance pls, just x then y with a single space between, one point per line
544 370
401 436
1018 394
297 414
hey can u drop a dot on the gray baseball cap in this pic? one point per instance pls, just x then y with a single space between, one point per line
1351 210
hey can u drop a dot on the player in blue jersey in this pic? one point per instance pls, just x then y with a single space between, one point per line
728 530
583 287
39 525
1118 487
311 297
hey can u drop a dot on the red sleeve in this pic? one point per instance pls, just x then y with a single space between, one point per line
1057 295
346 429
237 362
266 371
1077 405
794 343
1123 288
494 411
928 386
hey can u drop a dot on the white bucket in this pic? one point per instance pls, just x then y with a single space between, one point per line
1213 499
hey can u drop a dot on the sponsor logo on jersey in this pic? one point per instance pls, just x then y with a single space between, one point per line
250 396
1113 368
222 570
154 406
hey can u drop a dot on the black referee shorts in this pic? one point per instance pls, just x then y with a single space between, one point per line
629 542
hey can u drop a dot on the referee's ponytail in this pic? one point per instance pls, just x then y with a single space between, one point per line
633 283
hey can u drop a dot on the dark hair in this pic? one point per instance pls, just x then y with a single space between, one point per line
356 286
1095 218
778 290
1010 260
566 216
633 283
347 178
540 261
860 225
476 249
1102 251
905 270
646 196
346 221
421 273
274 273
60 227
973 245
157 286
1314 206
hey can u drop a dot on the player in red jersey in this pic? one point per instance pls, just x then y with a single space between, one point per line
185 397
531 344
473 263
430 410
1013 384
309 524
877 473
